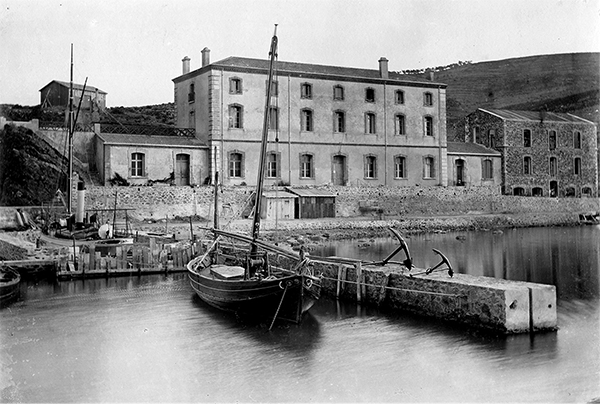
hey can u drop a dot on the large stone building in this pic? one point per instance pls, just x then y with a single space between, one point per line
333 125
543 153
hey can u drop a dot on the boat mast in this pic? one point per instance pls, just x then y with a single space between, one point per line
263 151
70 124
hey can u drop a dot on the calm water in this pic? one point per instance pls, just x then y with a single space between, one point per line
149 339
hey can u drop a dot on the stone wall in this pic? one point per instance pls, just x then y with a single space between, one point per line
159 202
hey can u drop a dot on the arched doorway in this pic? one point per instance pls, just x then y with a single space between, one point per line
460 172
338 170
182 169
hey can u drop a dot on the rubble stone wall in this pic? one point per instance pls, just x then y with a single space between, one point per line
159 202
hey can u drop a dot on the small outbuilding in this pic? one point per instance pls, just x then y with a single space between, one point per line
313 203
278 205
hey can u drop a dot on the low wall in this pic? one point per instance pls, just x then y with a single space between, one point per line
159 202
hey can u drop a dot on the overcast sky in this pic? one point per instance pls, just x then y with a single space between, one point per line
133 49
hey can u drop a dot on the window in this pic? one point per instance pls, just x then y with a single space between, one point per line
518 191
577 166
476 132
537 191
306 90
306 123
370 95
428 99
236 116
487 169
527 165
339 121
338 93
236 165
306 166
552 140
370 167
399 167
428 126
192 119
399 97
577 140
526 138
586 192
137 164
399 128
429 167
235 85
273 118
191 93
553 166
273 165
274 87
370 127
492 138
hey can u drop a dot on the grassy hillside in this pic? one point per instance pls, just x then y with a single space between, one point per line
558 83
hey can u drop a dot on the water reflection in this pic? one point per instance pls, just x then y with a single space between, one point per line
568 258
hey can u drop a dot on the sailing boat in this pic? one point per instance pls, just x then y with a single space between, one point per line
246 280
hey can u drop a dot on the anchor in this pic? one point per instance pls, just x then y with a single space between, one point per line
442 262
403 246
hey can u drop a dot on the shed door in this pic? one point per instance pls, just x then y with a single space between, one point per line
460 172
339 170
182 169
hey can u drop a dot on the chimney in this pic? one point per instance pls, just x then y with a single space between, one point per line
383 68
431 75
205 57
186 65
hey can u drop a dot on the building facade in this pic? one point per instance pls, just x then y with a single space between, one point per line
471 164
144 160
329 124
56 93
543 153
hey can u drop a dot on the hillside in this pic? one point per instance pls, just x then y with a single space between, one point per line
30 169
558 83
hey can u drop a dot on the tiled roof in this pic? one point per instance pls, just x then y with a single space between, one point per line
167 141
470 148
75 86
309 192
534 116
314 69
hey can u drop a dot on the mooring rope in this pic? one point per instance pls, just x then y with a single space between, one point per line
394 288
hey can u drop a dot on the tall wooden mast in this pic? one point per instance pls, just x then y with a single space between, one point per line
265 136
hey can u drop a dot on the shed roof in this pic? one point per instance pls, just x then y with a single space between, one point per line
310 192
75 86
278 195
536 116
470 148
294 68
158 141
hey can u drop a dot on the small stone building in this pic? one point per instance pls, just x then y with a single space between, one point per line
543 153
145 160
472 164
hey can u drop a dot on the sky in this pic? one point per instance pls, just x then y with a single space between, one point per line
132 49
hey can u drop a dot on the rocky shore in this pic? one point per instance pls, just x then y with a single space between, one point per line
370 227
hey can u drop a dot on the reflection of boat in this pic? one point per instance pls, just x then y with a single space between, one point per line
9 285
243 280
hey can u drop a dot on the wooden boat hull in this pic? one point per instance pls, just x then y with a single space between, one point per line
9 286
284 298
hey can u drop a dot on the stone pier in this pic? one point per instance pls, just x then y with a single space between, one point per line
483 302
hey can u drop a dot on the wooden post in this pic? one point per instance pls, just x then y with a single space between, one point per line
358 267
191 230
339 281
